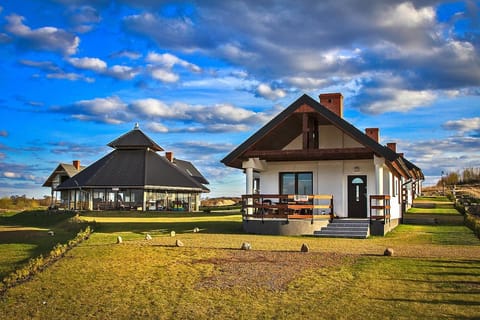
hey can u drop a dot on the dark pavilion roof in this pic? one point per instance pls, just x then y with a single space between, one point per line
62 168
133 165
135 139
190 169
282 129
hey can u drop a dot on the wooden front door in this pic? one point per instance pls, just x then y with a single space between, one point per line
357 196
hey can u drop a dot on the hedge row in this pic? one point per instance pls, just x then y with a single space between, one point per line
473 223
39 263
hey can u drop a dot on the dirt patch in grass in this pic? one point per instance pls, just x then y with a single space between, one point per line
269 270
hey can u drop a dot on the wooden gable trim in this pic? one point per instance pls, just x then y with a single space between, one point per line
305 108
310 154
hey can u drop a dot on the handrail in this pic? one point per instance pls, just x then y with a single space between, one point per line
289 206
380 203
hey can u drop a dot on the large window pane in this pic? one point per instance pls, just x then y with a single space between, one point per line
287 183
296 183
305 183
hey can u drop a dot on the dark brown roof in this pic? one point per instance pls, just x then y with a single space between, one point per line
133 168
277 128
135 139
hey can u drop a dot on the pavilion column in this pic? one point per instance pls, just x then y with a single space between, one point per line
379 174
249 187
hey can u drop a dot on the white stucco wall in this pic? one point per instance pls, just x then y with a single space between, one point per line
330 177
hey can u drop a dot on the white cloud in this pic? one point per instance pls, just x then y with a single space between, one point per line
406 15
155 108
265 91
101 105
93 64
122 72
464 125
45 38
164 75
398 100
133 55
11 175
69 76
168 61
157 127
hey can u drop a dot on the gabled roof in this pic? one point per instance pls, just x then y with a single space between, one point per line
234 159
190 169
135 139
133 168
62 168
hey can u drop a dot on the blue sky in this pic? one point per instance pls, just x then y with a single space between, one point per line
201 77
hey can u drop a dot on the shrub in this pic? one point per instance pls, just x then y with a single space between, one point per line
472 222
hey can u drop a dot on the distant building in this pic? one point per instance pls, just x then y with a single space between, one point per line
134 176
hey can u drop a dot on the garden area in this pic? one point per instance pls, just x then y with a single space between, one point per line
434 272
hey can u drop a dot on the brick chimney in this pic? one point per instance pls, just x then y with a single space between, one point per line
169 156
373 133
76 164
333 101
392 146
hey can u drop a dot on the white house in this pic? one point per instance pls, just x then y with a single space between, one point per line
309 162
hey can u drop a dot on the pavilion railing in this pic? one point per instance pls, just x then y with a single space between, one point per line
275 206
380 208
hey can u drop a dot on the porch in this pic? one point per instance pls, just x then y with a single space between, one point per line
287 206
311 214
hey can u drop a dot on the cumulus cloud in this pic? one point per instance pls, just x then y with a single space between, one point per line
464 125
48 66
376 38
84 18
182 117
93 64
69 76
164 75
45 38
397 100
133 55
265 91
99 66
122 72
168 61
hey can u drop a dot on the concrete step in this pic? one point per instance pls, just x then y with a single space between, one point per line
345 228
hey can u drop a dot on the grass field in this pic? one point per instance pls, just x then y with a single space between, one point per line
434 274
25 235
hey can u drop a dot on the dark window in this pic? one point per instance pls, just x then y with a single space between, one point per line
296 183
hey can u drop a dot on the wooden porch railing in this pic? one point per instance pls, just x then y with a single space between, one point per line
380 208
290 206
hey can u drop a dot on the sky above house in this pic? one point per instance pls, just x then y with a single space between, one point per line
200 77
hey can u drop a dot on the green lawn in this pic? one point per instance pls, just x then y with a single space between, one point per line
25 235
437 210
434 274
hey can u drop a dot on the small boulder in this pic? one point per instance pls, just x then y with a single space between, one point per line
246 246
179 243
119 239
172 233
148 237
196 230
304 248
388 252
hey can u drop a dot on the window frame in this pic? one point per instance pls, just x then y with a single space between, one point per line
296 175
